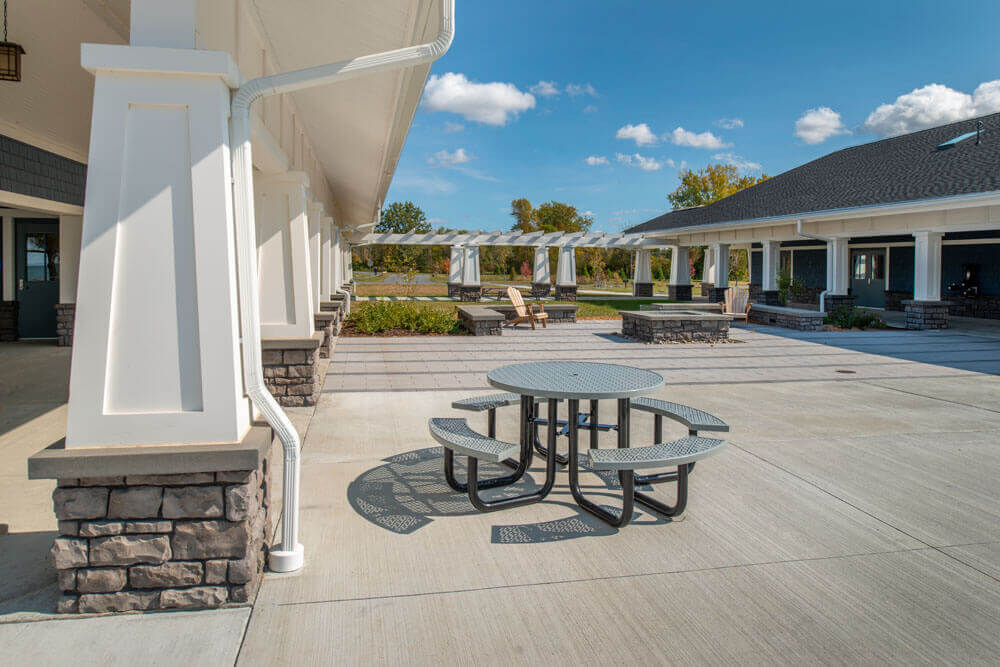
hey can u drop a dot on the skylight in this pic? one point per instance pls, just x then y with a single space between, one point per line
952 142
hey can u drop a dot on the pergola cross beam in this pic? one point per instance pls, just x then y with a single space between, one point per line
550 239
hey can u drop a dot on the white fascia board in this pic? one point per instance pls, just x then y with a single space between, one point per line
157 60
14 200
991 198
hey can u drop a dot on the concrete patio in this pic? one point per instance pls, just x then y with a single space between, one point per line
855 517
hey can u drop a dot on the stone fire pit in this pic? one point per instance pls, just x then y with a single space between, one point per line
675 326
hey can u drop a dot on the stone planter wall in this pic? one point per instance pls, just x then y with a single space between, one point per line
65 319
143 542
986 306
8 321
480 320
652 327
560 313
787 318
291 370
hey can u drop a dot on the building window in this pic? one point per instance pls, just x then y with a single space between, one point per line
42 256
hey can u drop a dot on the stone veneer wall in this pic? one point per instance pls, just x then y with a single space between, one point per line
324 323
565 292
143 542
833 301
674 329
65 320
787 318
478 321
642 289
805 294
540 290
679 292
470 293
292 375
921 315
716 294
8 321
455 290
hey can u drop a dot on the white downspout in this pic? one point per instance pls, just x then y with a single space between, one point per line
289 555
798 230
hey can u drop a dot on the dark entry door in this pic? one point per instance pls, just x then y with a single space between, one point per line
37 276
868 277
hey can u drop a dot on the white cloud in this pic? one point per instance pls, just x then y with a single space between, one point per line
683 137
595 160
729 123
817 125
545 88
490 103
932 105
445 159
590 108
738 161
430 185
636 160
640 133
451 128
671 163
588 214
575 89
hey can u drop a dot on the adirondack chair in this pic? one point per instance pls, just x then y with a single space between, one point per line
524 313
737 303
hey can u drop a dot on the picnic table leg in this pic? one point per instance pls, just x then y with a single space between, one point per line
659 477
520 467
626 476
542 450
594 430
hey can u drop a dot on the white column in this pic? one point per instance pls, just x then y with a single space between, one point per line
156 342
348 262
837 266
708 265
455 264
541 271
336 261
720 265
770 261
642 271
70 230
927 266
286 300
470 266
9 291
315 212
566 269
680 266
326 241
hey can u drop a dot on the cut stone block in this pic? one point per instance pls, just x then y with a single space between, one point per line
69 552
210 539
192 502
103 580
140 502
80 503
166 575
198 597
129 549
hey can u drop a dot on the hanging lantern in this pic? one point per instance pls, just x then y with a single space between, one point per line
10 54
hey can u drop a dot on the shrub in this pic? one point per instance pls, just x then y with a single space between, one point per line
380 316
846 317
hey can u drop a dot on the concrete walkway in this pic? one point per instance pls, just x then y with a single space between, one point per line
855 518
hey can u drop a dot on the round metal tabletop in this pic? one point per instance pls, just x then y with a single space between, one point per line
575 379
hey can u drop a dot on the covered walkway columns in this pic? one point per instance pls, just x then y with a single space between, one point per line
679 288
455 263
566 274
926 310
770 263
719 274
471 289
315 250
541 274
837 275
642 274
707 271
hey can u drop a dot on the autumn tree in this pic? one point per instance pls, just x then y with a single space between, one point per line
710 184
402 218
552 216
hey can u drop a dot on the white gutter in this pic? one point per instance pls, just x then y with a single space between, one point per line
289 555
798 230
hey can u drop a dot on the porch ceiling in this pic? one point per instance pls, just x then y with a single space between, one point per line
357 127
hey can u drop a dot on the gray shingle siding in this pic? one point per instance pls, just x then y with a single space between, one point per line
28 170
899 169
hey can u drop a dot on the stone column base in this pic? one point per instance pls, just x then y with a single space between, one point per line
716 294
769 297
833 301
65 319
470 293
455 290
921 315
8 321
323 321
337 306
540 290
642 289
566 292
679 292
143 536
706 288
291 369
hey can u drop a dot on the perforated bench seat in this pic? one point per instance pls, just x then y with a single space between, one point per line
490 402
456 435
695 420
676 453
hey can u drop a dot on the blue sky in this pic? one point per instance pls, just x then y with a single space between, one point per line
530 90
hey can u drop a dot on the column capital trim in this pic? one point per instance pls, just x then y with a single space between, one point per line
106 58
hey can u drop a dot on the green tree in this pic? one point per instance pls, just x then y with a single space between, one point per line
710 184
402 218
552 216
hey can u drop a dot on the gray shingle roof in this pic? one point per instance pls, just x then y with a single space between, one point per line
899 169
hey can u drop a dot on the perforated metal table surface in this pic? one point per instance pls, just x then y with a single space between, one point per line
575 380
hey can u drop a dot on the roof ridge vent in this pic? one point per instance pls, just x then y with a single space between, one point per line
951 143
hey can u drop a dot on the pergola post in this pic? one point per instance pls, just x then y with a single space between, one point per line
707 270
566 274
455 264
642 274
679 288
541 275
926 310
770 261
471 289
837 275
720 273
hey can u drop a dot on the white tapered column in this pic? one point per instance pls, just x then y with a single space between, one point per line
315 212
707 268
455 264
927 266
679 288
470 267
326 244
770 261
837 266
720 266
541 274
286 300
336 261
642 274
566 273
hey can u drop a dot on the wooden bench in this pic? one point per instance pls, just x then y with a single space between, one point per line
480 320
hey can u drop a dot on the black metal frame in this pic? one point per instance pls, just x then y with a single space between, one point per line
585 421
659 477
519 466
626 477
